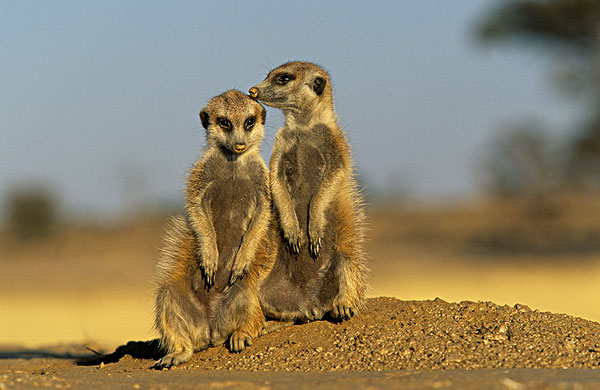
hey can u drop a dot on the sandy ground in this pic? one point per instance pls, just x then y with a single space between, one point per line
61 375
91 286
408 344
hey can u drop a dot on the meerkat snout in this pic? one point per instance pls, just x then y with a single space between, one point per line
239 148
253 92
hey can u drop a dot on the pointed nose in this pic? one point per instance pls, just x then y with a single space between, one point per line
253 92
239 148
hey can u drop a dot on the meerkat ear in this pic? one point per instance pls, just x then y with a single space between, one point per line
263 115
204 119
319 85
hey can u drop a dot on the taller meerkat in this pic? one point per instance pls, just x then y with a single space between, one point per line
321 266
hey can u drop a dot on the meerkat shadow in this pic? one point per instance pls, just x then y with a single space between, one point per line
136 349
41 353
334 320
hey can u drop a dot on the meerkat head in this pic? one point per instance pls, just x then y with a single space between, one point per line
295 87
233 122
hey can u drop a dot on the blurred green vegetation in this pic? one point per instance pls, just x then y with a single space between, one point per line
568 30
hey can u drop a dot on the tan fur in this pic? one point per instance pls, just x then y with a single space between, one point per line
214 259
321 263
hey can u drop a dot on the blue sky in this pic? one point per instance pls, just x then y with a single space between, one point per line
100 99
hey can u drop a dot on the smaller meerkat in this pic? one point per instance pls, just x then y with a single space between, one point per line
210 267
321 263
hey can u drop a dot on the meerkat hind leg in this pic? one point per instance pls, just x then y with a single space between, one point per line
239 340
342 312
272 326
175 358
183 327
240 318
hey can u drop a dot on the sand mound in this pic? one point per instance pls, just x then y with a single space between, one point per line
394 335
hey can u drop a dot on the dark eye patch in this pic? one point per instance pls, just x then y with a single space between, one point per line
224 123
283 78
249 123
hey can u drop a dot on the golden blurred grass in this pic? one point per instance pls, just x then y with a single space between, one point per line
93 285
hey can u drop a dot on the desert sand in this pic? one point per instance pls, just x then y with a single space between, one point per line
503 278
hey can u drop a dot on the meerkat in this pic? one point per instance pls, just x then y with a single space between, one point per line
320 267
212 261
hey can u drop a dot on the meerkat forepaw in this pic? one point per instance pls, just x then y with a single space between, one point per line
239 340
209 274
294 246
237 273
315 247
294 242
208 265
292 235
315 241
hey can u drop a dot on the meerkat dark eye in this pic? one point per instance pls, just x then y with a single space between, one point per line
283 78
249 123
225 124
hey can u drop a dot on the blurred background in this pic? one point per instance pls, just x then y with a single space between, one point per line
475 128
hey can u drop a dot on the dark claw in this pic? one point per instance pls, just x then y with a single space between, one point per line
210 280
316 314
347 314
294 247
315 249
343 312
238 344
233 279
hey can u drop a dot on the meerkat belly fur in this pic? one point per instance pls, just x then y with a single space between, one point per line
320 267
212 261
